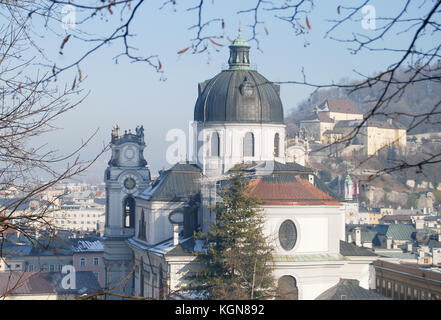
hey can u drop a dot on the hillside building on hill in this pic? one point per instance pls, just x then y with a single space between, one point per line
338 110
337 120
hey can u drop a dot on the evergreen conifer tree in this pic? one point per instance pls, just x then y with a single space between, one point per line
237 261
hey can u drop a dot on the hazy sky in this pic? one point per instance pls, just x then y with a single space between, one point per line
130 94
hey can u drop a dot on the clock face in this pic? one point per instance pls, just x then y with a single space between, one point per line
129 183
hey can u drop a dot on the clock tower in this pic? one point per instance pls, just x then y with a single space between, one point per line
126 176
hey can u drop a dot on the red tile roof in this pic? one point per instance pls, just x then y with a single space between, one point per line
297 192
99 193
341 106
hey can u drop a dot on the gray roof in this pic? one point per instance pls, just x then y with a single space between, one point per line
12 250
25 283
222 99
15 203
434 244
349 289
185 248
180 183
344 124
271 167
388 253
351 250
89 246
338 105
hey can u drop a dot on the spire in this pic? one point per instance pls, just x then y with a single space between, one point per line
348 177
239 53
349 186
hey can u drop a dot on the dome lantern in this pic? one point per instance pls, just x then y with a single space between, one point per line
239 54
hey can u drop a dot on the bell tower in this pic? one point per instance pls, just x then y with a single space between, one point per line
126 176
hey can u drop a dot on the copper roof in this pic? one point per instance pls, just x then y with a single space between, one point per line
297 191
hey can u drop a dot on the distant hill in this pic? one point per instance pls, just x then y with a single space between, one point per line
418 98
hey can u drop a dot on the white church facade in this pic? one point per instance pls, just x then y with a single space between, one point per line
148 243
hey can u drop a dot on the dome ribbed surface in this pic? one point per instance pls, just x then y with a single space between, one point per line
239 96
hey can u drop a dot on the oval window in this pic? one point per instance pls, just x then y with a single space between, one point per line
287 235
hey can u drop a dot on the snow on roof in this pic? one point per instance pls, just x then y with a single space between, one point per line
89 246
161 248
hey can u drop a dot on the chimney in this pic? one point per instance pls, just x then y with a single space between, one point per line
389 243
311 179
349 238
409 247
358 237
175 235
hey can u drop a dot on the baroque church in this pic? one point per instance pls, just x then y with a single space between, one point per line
238 118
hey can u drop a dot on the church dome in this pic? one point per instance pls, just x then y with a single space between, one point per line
239 94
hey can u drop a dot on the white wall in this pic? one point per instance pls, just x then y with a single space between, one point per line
156 213
319 228
231 144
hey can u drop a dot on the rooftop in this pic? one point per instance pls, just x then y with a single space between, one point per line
319 117
89 246
33 283
338 105
351 250
349 289
179 183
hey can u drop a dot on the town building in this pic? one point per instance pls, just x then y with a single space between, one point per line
45 285
407 281
336 120
88 256
45 255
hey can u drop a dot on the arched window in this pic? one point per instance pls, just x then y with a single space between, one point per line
129 212
215 144
248 145
287 287
276 145
141 226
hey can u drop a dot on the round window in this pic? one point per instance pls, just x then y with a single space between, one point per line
287 235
